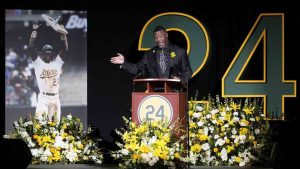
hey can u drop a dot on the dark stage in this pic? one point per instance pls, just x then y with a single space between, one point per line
90 166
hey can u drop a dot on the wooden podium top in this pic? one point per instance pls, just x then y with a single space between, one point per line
160 84
156 80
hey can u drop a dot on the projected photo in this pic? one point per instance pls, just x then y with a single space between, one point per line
45 62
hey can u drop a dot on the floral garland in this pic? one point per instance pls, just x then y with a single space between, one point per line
226 133
59 143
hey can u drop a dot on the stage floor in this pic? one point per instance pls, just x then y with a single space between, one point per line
92 166
75 166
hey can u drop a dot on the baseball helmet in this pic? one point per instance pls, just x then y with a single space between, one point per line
47 49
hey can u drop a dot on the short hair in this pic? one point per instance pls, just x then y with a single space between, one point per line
159 28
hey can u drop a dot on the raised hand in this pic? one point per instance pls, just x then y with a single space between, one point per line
119 59
35 25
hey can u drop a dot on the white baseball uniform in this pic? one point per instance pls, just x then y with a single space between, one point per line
48 76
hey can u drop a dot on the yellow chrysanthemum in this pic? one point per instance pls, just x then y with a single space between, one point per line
203 137
196 148
238 159
243 131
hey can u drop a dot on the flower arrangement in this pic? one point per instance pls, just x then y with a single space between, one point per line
226 133
60 143
149 145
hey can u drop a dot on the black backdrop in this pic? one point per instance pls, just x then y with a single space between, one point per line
115 27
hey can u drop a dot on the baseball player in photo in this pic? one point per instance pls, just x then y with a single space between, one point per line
48 68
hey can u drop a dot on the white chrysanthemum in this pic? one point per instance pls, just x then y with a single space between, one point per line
200 123
69 116
16 124
252 119
30 142
124 151
219 142
235 113
233 131
39 117
59 142
71 156
24 134
35 152
232 159
236 140
205 146
152 140
211 128
145 158
208 153
47 153
44 158
221 118
214 111
242 138
216 136
242 163
235 119
224 156
256 131
28 123
214 121
205 131
193 159
223 113
199 108
196 115
208 116
153 161
55 132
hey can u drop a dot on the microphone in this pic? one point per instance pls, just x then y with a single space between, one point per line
171 71
140 72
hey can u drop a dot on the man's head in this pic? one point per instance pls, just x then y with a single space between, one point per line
161 37
47 53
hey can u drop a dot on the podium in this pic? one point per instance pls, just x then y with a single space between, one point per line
159 99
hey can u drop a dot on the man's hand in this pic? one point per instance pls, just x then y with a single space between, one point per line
119 59
63 31
175 77
35 25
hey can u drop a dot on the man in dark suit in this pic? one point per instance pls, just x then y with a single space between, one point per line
165 60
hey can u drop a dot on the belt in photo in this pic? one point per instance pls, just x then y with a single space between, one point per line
49 94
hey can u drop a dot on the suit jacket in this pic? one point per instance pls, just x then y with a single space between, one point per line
177 64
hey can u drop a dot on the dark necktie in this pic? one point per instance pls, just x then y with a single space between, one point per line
162 61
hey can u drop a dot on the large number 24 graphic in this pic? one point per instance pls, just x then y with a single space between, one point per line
159 114
268 29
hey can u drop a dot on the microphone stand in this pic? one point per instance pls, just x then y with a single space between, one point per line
140 72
